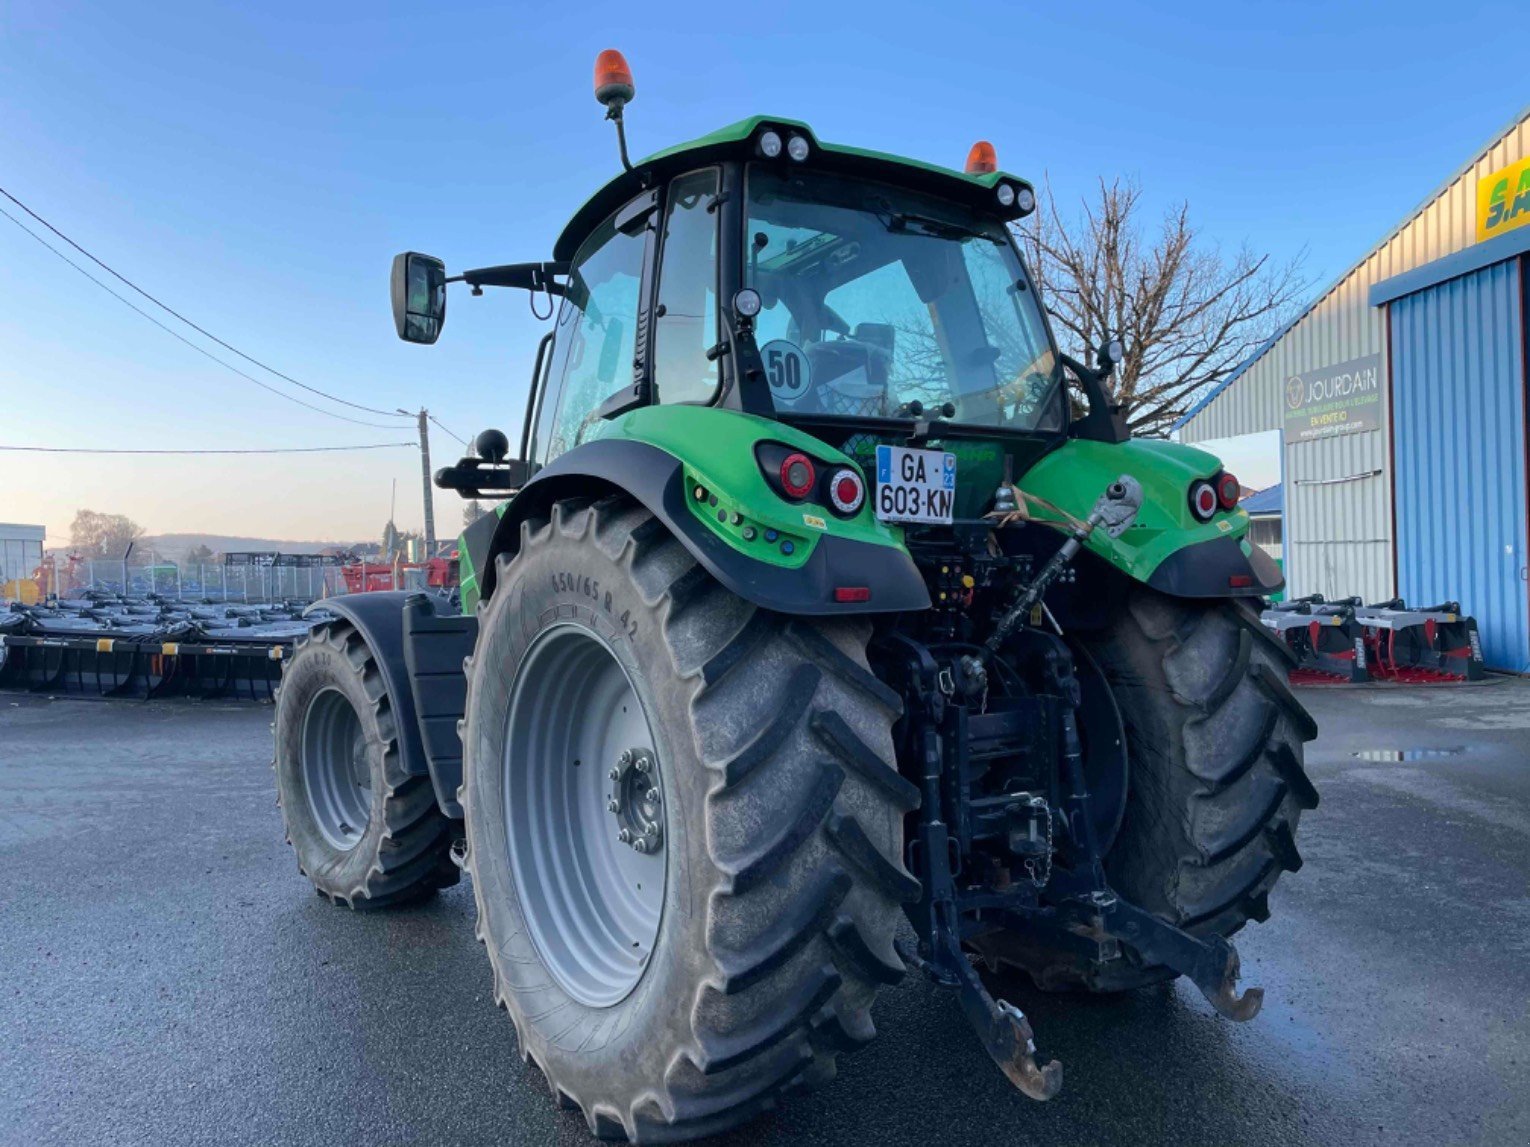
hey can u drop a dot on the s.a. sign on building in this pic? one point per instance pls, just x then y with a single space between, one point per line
1503 200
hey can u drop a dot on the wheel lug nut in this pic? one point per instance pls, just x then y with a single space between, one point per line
615 774
653 795
624 836
626 757
651 830
640 845
613 806
643 764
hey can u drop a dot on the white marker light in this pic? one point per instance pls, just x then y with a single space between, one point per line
747 303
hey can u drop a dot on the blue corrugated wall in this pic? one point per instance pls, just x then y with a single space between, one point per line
1458 383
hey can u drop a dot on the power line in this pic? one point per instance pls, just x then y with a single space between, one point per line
201 330
437 421
182 338
266 450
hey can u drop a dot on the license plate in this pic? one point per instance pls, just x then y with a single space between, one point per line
915 485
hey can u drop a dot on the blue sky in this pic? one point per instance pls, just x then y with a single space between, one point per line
258 166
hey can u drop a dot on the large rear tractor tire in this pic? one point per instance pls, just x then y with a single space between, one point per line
1215 784
366 833
618 697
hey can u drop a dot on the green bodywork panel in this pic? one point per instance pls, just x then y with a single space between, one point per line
1073 477
716 447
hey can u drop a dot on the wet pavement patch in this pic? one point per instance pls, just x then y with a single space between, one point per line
1408 754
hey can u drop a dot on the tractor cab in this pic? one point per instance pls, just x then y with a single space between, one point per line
763 271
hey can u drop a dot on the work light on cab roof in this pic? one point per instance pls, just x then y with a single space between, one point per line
983 159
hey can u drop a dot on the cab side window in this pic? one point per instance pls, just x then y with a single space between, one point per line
596 339
686 327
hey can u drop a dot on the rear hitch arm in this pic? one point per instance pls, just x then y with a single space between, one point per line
1005 1032
1003 1028
1211 965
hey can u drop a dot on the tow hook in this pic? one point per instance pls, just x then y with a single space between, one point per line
1003 1028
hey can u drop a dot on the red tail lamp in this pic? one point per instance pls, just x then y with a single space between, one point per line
852 594
982 159
613 78
1228 491
798 475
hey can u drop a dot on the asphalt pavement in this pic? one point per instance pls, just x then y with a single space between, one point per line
168 977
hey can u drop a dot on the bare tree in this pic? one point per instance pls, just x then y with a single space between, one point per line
1187 313
472 510
96 535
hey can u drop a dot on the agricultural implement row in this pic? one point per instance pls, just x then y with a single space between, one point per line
146 655
1347 640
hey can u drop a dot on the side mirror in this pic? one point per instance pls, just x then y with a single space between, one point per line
419 297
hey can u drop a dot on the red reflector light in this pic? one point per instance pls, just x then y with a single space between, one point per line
846 490
1228 491
1240 581
850 594
982 159
1203 500
798 475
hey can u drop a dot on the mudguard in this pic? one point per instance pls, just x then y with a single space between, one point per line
1166 547
736 504
419 653
379 618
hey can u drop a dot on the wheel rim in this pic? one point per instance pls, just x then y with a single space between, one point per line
337 772
584 815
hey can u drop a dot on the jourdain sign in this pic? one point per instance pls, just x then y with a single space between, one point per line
1334 400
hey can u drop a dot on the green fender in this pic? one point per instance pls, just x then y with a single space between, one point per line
1166 547
695 469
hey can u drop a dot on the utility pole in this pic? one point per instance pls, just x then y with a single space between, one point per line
430 511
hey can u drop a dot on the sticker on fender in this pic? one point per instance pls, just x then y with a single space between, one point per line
915 485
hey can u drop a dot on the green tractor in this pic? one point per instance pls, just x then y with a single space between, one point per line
827 594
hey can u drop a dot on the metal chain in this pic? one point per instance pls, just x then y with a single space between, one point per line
1030 865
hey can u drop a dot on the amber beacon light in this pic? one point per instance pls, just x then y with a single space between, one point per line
613 79
982 159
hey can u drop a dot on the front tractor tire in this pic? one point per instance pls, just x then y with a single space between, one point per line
1216 784
619 695
366 833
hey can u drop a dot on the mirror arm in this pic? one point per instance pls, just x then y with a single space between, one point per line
524 276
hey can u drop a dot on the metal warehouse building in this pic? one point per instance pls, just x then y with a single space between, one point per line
1401 395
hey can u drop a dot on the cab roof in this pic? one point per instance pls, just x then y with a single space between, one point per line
736 141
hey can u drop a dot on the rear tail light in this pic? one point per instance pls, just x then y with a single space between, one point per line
1228 491
798 475
851 594
847 492
1203 500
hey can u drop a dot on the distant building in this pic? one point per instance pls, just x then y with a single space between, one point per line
1400 394
21 552
1266 514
